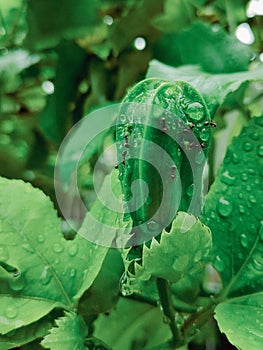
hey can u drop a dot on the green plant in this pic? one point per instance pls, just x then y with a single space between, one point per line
168 254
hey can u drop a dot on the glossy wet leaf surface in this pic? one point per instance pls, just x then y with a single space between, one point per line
233 211
37 265
69 334
214 87
241 319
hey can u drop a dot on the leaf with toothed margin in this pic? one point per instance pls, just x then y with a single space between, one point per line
233 211
39 269
184 250
69 334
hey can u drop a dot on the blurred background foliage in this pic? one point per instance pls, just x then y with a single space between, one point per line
61 59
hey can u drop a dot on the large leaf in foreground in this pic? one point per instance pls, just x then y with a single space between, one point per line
214 87
233 211
69 334
241 320
183 251
37 265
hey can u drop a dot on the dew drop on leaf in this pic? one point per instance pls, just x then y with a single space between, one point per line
227 178
58 248
254 136
73 273
252 199
244 240
153 226
4 255
17 284
46 276
244 177
190 190
195 111
73 249
257 264
41 238
224 207
241 208
11 312
247 146
219 264
260 151
27 247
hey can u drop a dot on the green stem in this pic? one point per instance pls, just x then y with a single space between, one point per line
168 309
230 18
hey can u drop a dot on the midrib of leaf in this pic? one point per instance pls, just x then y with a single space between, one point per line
235 278
42 258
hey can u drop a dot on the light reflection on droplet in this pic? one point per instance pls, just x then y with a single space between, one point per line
245 34
140 43
48 87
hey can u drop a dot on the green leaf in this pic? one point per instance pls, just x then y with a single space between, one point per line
39 269
69 334
183 251
241 320
25 335
233 211
200 45
215 88
132 325
49 21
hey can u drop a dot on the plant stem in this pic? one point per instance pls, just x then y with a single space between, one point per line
168 309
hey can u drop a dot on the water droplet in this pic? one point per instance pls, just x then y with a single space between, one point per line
252 199
219 264
41 238
28 248
244 177
45 276
251 171
257 264
200 157
195 111
254 136
58 248
248 188
73 249
241 208
4 255
190 190
247 146
72 273
244 240
11 312
235 158
227 178
204 134
260 151
224 207
17 283
153 226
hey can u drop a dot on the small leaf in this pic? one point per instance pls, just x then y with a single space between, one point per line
241 320
182 251
69 334
39 269
233 211
214 87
